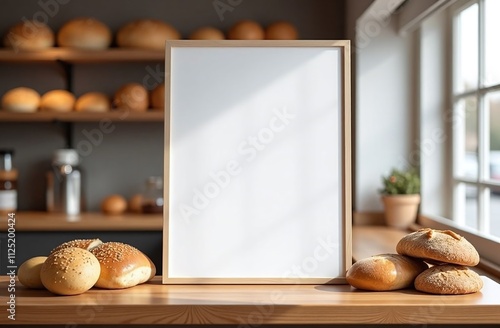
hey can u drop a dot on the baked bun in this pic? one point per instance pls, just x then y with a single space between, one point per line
57 101
146 34
114 205
84 33
132 96
21 100
384 272
438 246
86 244
122 266
281 31
449 279
93 102
158 97
246 30
207 33
70 271
29 35
29 272
135 203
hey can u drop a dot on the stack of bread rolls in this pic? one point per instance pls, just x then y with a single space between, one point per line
74 267
448 254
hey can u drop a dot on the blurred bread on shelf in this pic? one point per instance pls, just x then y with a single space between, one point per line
207 33
135 203
114 205
84 33
281 30
21 100
146 34
133 97
158 97
246 30
93 102
29 35
57 101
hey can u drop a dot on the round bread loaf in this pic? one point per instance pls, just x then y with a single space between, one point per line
114 205
122 266
207 33
246 30
281 31
29 272
132 96
158 97
70 271
29 35
146 34
384 272
448 279
84 33
438 246
57 101
93 102
86 244
21 100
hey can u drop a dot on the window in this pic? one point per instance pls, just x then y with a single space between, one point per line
476 113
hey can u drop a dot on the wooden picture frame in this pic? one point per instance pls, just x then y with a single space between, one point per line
257 162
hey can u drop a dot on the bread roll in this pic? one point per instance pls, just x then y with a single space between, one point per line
29 35
114 205
93 102
29 272
438 246
132 96
448 279
57 101
135 203
146 34
70 271
84 33
384 272
158 97
246 30
122 266
207 33
281 31
86 244
21 100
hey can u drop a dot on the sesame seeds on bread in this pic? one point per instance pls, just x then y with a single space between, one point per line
86 244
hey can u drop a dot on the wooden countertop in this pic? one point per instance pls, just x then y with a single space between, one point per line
43 221
154 303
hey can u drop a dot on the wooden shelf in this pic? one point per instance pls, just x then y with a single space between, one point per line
115 116
154 303
43 221
81 56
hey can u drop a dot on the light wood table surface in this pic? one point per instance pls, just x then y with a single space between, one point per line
154 303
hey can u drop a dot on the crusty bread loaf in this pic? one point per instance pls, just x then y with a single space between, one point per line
146 34
246 30
207 33
281 31
57 101
438 246
93 102
158 97
448 279
86 244
84 33
29 35
385 272
21 100
70 271
122 266
132 96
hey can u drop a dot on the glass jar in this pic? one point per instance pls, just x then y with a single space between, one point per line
152 198
8 182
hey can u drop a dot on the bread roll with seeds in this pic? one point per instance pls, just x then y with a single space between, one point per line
448 279
122 266
86 244
70 271
438 246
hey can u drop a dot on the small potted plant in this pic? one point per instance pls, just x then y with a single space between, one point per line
401 197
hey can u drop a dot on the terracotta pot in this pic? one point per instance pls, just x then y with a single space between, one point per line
400 210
